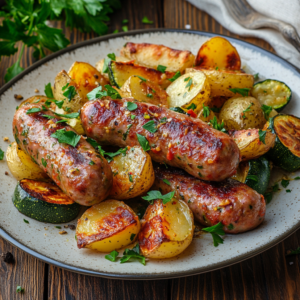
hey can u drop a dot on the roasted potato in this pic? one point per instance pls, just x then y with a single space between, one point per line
190 88
152 55
250 145
107 226
99 65
219 53
21 165
86 77
144 91
222 80
167 229
133 174
242 113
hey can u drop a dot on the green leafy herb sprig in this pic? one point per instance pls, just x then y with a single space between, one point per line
24 21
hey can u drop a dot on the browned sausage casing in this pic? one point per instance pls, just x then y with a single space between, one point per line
180 141
80 172
231 202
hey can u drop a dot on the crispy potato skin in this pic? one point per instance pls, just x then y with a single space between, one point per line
67 166
182 141
218 52
152 55
240 206
250 145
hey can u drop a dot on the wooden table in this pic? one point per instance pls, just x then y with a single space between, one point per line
270 275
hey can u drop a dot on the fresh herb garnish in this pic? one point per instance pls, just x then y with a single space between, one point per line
69 116
164 120
48 91
142 78
267 110
107 61
44 162
145 20
133 253
215 125
288 191
143 142
126 133
125 28
25 221
275 187
65 86
177 74
130 178
149 95
132 236
262 135
1 154
189 84
70 92
132 117
216 231
268 197
192 106
48 117
131 106
91 163
206 111
153 195
215 109
166 181
33 110
244 92
125 21
285 183
230 226
150 126
66 137
58 227
161 68
297 178
59 104
256 76
112 256
252 177
19 289
294 252
246 110
98 93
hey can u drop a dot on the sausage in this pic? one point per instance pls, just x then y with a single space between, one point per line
79 171
180 141
231 202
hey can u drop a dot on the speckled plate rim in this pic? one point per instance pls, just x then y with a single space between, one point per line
152 276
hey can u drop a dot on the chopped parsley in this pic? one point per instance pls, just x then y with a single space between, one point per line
294 252
285 183
143 142
267 110
192 106
91 163
189 84
149 95
142 78
133 253
125 28
215 125
275 187
244 92
206 111
252 177
66 137
44 162
246 110
69 116
126 133
125 21
216 231
130 178
132 236
177 74
288 191
268 197
132 117
70 92
65 86
297 178
164 120
107 61
19 289
33 110
131 106
215 109
112 256
150 126
154 195
98 93
48 91
256 76
25 221
230 226
166 181
1 154
262 135
161 68
145 20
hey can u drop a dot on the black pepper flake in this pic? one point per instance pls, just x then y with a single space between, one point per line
72 227
7 257
6 173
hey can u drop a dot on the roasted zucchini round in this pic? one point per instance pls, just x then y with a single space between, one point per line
286 152
273 93
44 202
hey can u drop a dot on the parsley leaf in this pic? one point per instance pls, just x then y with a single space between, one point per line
189 84
125 21
177 74
161 68
252 177
268 197
145 20
275 187
1 154
59 104
131 106
206 111
262 135
154 195
215 109
48 91
44 162
132 117
143 142
13 71
69 116
125 28
107 61
19 289
215 125
246 110
33 110
70 92
149 95
66 137
132 236
216 231
99 93
164 120
166 181
48 117
267 110
294 252
256 76
142 78
111 92
133 253
25 221
130 178
285 183
297 178
192 106
150 126
244 92
112 256
126 133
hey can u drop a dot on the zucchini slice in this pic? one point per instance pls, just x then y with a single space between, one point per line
119 72
44 202
286 152
273 93
255 173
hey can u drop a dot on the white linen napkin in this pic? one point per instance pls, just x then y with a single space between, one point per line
285 10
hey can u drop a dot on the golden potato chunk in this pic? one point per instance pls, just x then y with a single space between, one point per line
133 173
107 226
242 113
219 53
21 165
249 143
144 91
221 81
167 229
190 88
152 55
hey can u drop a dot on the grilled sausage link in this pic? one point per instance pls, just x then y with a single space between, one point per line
179 140
79 171
231 202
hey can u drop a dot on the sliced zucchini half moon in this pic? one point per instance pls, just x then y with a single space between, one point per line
286 152
273 93
44 202
255 173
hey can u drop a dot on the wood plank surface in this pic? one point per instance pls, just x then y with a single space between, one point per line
270 275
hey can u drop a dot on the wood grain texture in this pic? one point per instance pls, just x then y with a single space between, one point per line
266 276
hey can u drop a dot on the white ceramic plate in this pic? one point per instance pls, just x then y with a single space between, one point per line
282 217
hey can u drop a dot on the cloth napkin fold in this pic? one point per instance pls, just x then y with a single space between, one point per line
284 10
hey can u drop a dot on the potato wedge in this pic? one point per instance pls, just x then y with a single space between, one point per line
21 165
152 55
133 174
167 229
99 65
107 226
242 113
219 53
119 72
143 91
86 77
222 80
190 88
249 144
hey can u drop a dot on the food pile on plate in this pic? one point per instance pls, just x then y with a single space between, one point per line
150 141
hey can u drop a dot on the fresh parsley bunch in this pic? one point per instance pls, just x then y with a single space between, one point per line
25 21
